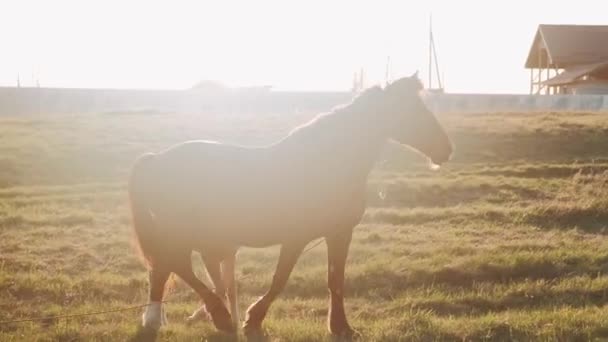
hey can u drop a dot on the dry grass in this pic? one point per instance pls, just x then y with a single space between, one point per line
505 243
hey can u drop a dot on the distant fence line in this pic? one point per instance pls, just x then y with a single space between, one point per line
489 103
27 101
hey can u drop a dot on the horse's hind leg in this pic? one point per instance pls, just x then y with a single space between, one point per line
222 274
154 316
212 265
214 305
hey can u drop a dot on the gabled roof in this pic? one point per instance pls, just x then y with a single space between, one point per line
571 75
569 45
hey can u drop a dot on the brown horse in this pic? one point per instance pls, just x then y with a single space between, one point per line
211 197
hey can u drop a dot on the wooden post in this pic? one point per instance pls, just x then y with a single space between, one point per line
531 80
549 87
558 88
540 70
538 79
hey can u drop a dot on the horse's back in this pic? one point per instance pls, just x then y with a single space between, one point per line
206 180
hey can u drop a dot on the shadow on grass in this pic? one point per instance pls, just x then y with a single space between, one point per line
543 171
592 219
514 301
144 335
258 337
387 282
150 335
264 337
406 195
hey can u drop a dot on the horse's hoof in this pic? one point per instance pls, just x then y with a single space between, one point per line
199 315
252 327
252 330
345 334
153 326
153 317
192 319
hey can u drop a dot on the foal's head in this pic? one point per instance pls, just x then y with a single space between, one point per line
406 119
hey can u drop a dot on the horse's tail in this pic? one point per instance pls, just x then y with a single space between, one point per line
144 226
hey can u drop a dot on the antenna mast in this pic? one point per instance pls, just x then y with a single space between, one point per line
387 74
433 58
430 51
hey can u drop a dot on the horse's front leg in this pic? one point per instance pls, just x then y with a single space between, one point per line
257 311
337 251
229 280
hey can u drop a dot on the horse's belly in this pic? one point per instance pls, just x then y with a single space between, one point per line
262 224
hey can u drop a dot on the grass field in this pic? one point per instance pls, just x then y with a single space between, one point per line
506 242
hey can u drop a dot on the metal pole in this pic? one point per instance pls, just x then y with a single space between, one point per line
430 51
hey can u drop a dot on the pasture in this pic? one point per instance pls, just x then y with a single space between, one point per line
506 242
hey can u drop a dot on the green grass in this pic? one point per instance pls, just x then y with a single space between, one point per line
506 242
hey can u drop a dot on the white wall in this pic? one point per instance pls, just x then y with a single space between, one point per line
591 88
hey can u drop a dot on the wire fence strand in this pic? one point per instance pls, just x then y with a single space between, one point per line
58 317
103 312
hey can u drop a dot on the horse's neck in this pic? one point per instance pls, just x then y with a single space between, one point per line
346 148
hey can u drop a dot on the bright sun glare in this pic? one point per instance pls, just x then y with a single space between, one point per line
305 45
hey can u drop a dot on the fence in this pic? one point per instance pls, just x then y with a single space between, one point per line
488 103
28 101
25 101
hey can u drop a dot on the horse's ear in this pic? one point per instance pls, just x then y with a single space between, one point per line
415 75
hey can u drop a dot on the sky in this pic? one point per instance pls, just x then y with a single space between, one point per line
291 45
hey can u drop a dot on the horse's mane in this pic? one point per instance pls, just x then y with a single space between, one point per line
341 114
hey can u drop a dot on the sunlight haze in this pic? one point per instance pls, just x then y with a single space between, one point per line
311 45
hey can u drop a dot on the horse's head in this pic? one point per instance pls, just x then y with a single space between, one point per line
407 120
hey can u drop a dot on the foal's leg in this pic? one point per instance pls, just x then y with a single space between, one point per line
212 265
337 251
214 305
257 311
153 316
229 280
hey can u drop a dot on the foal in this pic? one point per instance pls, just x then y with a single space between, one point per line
211 197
